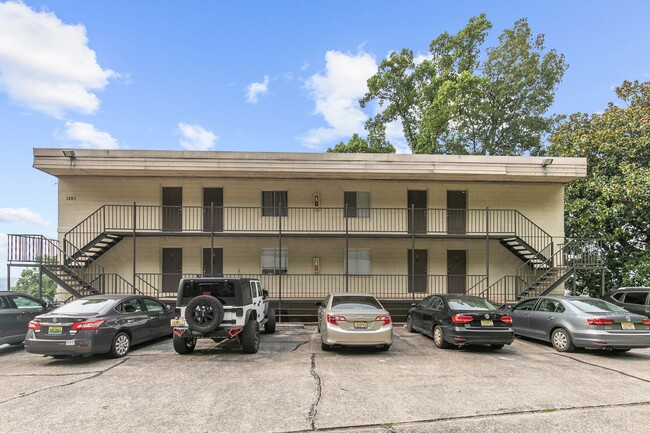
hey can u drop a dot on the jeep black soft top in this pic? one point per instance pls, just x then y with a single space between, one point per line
227 290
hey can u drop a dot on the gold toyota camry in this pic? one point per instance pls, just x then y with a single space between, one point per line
353 319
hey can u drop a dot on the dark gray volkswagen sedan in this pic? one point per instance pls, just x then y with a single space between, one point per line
99 324
570 321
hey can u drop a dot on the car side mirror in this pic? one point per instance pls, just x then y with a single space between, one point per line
265 293
413 304
167 306
48 304
319 304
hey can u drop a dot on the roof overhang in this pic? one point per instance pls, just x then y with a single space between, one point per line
281 165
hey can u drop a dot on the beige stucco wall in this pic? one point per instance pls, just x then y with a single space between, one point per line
81 196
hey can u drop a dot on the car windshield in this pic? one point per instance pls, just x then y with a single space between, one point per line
470 304
83 306
591 305
355 303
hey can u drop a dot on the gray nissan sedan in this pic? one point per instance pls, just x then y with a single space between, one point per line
572 321
99 324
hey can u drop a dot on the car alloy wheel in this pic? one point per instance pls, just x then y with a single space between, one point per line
121 345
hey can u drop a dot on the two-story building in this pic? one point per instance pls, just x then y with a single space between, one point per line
397 226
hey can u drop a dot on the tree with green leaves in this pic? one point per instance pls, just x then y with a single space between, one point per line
29 283
360 145
613 202
458 101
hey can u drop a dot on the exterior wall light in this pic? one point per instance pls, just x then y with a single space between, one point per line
547 161
70 154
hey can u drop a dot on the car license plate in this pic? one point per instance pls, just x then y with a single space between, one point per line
178 322
57 330
361 325
627 325
487 323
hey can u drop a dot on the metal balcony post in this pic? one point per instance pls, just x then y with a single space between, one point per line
280 261
212 239
413 251
487 245
134 219
347 252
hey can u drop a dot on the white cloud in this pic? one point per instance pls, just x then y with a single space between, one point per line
422 57
395 134
45 64
196 137
255 89
88 137
21 215
336 95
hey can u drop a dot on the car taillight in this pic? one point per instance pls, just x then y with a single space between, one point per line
599 321
506 319
646 321
385 319
334 320
91 325
459 318
34 326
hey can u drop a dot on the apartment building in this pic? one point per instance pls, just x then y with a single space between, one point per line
397 226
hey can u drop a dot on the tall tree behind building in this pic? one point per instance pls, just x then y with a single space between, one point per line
458 101
613 202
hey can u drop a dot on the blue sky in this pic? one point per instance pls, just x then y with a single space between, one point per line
251 76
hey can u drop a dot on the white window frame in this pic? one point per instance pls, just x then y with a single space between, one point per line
359 261
280 261
361 205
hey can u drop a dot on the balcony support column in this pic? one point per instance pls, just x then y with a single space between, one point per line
212 239
487 246
133 222
347 253
280 262
412 251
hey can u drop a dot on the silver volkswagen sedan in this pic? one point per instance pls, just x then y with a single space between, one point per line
353 319
572 321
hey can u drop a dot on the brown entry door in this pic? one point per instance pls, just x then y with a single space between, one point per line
417 203
417 271
172 267
213 263
212 206
456 212
172 211
456 271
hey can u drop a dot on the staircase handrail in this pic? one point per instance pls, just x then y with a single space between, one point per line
529 232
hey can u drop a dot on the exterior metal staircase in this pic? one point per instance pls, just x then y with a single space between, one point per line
537 277
80 276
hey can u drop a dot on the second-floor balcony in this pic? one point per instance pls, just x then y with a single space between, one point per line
172 220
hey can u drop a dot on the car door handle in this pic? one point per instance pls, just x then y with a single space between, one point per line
526 316
551 317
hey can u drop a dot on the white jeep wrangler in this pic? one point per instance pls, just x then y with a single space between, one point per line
221 309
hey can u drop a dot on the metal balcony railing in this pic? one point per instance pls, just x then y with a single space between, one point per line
316 286
147 219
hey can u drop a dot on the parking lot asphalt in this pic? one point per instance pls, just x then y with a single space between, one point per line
290 385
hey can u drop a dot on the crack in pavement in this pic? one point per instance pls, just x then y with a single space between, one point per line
313 410
298 346
470 417
603 367
95 374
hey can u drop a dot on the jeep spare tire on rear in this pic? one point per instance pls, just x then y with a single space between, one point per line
221 309
204 313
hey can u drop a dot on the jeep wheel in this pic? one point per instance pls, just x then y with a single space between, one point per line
204 313
184 345
250 337
269 326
